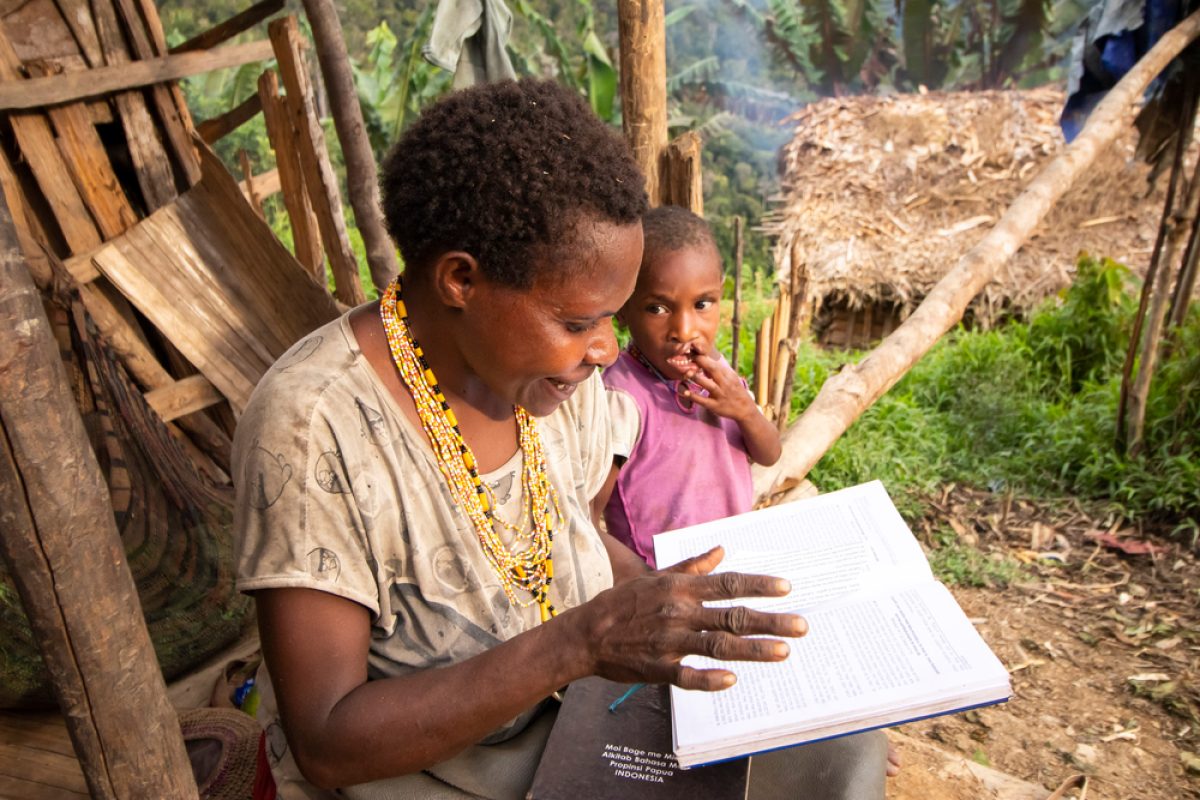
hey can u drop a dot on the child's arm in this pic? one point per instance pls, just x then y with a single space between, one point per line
727 397
625 563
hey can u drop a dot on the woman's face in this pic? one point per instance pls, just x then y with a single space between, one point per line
533 347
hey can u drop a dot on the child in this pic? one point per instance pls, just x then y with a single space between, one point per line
684 423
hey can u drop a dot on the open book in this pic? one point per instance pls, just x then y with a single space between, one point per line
886 644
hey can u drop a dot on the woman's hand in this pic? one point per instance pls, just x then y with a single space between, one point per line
642 629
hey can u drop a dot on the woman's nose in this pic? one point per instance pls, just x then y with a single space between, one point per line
602 350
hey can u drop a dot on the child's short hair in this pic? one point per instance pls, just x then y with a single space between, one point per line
669 228
504 171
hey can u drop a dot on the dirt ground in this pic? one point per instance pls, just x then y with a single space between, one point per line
1101 634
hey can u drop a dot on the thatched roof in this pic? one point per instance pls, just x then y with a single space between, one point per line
884 194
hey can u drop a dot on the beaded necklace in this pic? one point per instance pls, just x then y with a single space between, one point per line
530 569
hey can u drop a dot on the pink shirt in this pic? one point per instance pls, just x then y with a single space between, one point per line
685 466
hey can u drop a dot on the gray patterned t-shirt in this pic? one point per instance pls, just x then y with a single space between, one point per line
338 491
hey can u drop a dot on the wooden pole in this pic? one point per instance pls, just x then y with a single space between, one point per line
642 30
681 183
846 395
362 182
60 543
798 289
736 324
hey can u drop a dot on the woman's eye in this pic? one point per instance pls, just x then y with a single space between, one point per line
580 327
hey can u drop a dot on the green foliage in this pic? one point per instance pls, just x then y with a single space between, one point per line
1031 405
394 82
959 564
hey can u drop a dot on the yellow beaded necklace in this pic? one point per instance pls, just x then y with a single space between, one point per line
531 569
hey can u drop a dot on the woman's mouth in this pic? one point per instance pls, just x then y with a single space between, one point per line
564 388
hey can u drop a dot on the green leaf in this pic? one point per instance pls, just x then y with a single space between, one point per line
601 77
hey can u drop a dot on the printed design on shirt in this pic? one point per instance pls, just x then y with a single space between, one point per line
450 571
276 743
373 424
266 474
502 488
305 351
324 565
440 634
330 472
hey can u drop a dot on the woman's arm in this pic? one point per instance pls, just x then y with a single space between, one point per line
344 729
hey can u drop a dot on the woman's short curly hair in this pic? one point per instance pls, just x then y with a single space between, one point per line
505 171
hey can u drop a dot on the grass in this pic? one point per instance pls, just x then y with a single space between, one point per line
1030 405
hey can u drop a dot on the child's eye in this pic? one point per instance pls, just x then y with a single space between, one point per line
656 308
704 304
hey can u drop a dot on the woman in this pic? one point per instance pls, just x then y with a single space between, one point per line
414 478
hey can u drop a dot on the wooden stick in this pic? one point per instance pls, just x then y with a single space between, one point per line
238 23
184 396
212 130
643 70
798 289
248 183
319 178
844 396
736 324
306 237
103 80
362 182
64 553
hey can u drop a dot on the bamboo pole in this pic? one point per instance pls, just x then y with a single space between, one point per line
846 395
798 289
362 182
643 66
61 545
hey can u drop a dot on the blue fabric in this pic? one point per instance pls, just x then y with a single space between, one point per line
1116 34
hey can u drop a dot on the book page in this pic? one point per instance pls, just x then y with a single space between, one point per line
899 654
829 546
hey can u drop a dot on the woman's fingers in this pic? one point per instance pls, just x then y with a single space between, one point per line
701 564
747 622
732 585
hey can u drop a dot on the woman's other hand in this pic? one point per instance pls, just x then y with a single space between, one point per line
642 629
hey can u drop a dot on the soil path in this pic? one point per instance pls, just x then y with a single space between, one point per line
1101 633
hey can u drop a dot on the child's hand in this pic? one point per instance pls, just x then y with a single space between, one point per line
727 395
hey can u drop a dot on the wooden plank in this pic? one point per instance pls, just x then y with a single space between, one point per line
306 237
231 27
42 766
265 184
319 178
38 730
131 75
184 396
81 601
14 788
78 16
86 159
212 130
159 39
178 135
249 300
150 160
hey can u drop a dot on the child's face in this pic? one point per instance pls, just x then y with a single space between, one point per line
675 309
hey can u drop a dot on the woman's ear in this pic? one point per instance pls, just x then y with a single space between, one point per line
456 275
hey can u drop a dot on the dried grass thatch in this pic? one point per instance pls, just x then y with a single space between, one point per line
883 194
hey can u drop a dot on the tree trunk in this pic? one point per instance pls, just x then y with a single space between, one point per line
60 543
846 395
362 182
643 63
681 181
